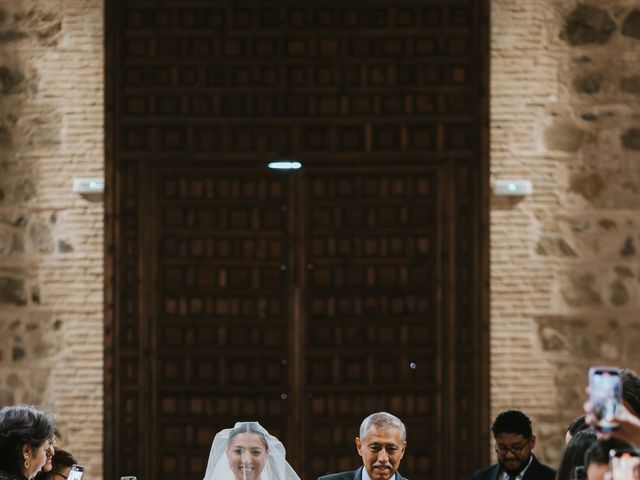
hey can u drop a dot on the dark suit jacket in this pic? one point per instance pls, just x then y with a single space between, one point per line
355 475
536 471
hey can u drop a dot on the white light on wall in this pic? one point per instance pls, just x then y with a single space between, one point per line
512 188
88 185
284 165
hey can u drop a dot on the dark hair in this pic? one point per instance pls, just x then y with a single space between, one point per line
512 421
20 425
61 459
599 451
248 427
576 425
573 453
631 389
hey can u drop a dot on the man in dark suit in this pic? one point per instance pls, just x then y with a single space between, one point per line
514 448
381 444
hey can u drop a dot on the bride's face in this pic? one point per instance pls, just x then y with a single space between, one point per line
247 455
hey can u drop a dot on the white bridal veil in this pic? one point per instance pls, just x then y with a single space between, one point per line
275 468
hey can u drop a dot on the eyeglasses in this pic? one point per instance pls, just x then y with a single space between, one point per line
515 449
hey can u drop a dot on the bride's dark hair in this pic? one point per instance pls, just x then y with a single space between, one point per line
248 427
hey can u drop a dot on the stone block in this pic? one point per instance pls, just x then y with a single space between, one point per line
588 83
580 289
64 246
564 137
631 139
12 290
631 24
7 36
588 24
10 80
11 240
589 185
40 237
558 247
630 84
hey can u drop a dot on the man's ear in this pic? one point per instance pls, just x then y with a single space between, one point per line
532 442
358 444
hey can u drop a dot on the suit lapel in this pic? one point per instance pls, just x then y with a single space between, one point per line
495 473
531 471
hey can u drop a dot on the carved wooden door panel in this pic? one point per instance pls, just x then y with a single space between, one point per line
303 300
220 329
374 331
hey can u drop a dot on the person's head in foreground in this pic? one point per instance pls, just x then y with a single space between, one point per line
61 465
26 440
573 453
381 444
576 425
596 458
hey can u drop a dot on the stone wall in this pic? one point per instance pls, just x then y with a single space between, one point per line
51 131
565 275
565 270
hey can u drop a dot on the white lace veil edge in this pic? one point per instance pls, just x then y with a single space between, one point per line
276 467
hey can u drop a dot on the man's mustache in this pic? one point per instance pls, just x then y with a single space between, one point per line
379 464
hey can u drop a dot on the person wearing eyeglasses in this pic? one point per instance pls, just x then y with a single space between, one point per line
514 444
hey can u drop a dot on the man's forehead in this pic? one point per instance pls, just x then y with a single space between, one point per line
383 435
509 438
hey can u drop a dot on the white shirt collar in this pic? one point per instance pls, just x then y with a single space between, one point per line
365 475
505 475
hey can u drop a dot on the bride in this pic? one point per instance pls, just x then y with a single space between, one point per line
248 452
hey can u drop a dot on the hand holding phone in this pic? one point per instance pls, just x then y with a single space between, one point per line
76 473
605 395
625 464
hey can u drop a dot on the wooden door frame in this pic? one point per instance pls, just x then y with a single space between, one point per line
114 232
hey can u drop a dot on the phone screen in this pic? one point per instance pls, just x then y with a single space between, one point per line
625 464
579 473
76 473
605 394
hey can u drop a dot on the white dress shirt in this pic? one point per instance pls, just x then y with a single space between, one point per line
505 475
365 475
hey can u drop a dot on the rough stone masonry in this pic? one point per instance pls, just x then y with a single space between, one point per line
565 85
564 268
51 131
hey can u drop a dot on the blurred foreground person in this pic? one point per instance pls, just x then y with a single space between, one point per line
61 464
26 442
573 454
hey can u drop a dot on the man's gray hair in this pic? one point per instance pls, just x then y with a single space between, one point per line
382 420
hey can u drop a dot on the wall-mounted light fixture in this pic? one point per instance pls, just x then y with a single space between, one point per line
512 188
88 185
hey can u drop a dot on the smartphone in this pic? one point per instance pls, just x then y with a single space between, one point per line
76 473
625 464
580 473
128 477
605 394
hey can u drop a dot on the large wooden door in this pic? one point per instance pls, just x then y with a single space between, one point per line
304 299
